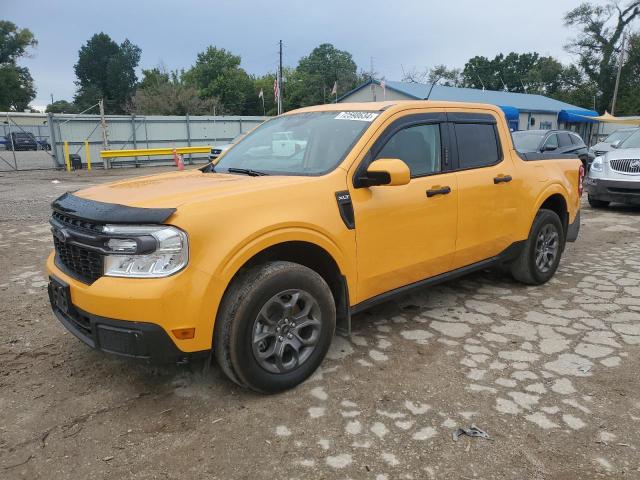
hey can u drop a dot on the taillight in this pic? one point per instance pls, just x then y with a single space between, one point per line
580 180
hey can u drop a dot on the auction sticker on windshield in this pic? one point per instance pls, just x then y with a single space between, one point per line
361 116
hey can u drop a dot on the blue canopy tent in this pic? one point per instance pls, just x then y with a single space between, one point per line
577 116
513 116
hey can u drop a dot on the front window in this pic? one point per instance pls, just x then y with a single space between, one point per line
527 141
311 143
418 147
631 142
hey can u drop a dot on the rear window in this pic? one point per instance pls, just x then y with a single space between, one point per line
564 140
576 140
477 145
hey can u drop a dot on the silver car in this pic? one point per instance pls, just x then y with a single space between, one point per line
615 176
612 141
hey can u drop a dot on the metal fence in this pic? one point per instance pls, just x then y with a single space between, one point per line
122 132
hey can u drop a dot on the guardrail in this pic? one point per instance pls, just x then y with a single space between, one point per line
147 152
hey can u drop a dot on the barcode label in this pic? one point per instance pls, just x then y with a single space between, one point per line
360 116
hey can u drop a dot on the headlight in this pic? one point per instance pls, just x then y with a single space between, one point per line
597 165
145 251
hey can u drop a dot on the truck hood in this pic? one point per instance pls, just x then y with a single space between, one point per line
171 190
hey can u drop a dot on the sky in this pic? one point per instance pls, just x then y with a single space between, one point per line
397 34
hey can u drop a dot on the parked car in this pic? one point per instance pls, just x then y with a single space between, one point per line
551 141
220 149
44 145
21 141
615 176
284 144
256 259
612 141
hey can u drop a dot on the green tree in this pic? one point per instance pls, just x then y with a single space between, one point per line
629 94
106 70
317 73
449 77
61 106
166 93
217 75
597 45
16 83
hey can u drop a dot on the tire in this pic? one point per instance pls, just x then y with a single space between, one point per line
540 257
595 203
264 298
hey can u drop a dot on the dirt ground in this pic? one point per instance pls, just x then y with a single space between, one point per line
551 373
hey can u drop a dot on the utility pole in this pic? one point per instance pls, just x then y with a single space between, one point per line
52 98
280 81
620 62
105 136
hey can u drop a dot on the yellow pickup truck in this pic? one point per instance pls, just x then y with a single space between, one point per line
258 256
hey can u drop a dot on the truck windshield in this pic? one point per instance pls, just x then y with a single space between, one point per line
527 141
311 143
631 142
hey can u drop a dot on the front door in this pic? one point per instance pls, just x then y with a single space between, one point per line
407 233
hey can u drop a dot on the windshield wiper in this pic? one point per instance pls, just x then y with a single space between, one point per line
247 171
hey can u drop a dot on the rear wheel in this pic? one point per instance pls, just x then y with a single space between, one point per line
541 254
595 203
274 327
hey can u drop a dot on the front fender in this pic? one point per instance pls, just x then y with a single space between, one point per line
249 247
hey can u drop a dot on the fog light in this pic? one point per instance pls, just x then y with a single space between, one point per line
184 333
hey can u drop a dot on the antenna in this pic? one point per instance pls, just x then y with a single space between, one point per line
433 84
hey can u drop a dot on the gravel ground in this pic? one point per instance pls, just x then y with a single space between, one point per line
551 373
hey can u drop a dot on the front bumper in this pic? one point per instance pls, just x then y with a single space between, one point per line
140 340
188 299
619 191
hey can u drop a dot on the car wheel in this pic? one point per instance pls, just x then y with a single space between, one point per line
595 203
540 257
274 327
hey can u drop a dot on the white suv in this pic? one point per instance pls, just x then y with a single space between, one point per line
615 176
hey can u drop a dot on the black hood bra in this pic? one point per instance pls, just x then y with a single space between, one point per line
100 212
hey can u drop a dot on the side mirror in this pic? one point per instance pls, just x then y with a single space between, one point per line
615 144
549 148
386 171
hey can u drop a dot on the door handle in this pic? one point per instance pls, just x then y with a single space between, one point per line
438 191
502 179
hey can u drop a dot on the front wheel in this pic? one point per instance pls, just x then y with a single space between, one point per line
274 326
540 257
595 203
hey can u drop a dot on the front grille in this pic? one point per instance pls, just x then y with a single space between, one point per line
84 264
625 165
76 223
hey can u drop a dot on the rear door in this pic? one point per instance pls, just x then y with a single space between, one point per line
487 184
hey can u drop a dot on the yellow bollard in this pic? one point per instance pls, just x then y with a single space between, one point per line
66 156
88 155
